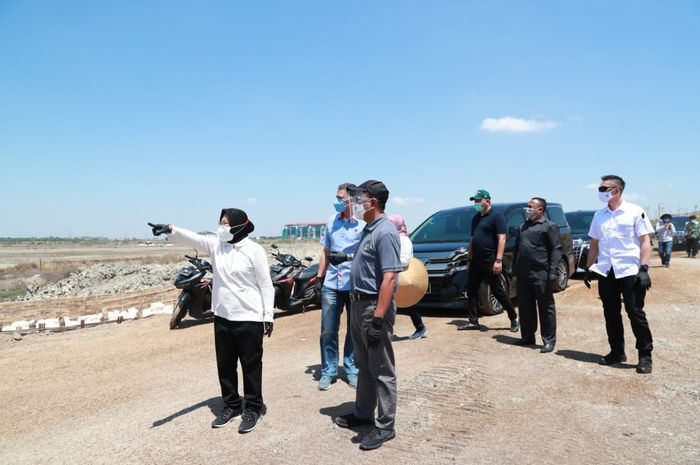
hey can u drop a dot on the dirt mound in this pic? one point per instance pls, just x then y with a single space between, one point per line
105 278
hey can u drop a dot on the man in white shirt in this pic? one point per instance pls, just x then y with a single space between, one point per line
665 231
619 253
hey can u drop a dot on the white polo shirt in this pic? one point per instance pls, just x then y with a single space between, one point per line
618 234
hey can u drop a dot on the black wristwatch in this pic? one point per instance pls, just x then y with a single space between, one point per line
499 260
644 268
377 321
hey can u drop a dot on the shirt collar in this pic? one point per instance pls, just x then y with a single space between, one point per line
373 224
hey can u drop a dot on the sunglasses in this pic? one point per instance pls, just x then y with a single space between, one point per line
605 188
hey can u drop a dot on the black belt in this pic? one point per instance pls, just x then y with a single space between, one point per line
360 296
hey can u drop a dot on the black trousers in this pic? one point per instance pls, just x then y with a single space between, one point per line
691 246
234 341
535 297
481 270
415 317
610 289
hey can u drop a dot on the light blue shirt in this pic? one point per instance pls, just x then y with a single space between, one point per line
340 235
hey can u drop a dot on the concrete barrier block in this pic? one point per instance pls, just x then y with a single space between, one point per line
48 323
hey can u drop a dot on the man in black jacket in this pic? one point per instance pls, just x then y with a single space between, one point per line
535 258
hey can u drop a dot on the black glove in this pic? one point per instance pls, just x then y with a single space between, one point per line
159 229
643 277
375 332
587 278
268 328
319 284
336 258
553 283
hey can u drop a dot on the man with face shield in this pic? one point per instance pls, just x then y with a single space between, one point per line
620 254
242 300
373 311
340 237
536 254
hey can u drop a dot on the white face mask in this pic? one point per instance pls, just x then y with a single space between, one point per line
529 212
604 196
358 211
224 233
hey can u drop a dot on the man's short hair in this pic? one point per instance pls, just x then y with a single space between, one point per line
541 201
691 217
344 186
616 180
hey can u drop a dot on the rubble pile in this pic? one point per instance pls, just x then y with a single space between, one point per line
106 278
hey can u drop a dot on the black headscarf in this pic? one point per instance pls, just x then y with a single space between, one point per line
239 223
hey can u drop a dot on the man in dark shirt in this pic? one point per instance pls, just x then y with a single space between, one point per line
535 258
486 259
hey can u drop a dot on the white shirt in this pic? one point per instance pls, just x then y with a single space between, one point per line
665 234
406 251
242 288
618 234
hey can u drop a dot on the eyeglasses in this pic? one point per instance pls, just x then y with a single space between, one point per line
605 188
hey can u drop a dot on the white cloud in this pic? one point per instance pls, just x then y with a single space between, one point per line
593 185
252 200
516 125
404 201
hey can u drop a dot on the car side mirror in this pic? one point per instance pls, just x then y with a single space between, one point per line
308 259
274 246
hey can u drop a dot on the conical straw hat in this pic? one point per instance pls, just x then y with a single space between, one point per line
412 284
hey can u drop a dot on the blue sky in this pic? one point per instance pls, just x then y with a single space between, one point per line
113 114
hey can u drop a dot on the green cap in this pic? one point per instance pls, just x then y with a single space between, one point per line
481 194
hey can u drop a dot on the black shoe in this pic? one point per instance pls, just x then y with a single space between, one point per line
351 421
376 438
612 359
514 325
226 416
547 348
251 418
469 326
525 342
644 366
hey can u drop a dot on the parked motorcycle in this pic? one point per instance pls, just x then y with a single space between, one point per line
195 294
294 282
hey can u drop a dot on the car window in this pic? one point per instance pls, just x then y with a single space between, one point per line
445 226
679 222
514 220
556 215
580 222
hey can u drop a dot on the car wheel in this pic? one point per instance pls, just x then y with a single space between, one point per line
488 304
562 276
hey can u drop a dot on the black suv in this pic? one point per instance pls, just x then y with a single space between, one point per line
441 243
580 222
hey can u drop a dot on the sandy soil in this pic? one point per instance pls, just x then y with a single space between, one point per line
137 393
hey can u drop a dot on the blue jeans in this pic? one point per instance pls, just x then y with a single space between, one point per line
332 303
665 252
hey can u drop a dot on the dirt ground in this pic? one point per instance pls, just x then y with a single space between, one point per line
137 393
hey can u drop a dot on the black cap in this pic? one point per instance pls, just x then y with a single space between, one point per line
374 188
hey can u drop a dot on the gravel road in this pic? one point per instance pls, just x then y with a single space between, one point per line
137 393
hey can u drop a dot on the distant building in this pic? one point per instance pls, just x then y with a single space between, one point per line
302 231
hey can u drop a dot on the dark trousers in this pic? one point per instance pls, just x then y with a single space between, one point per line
610 289
481 270
691 246
535 297
376 383
234 341
415 317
